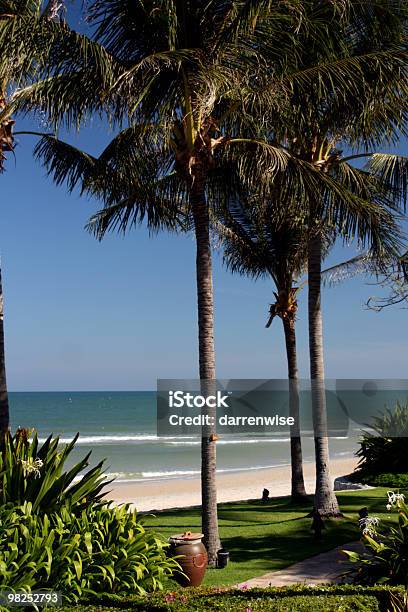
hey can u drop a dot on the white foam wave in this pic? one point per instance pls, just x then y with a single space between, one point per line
170 440
119 439
166 474
223 442
170 473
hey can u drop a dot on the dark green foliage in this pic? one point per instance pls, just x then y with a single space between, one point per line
102 551
386 449
341 598
58 534
33 473
396 481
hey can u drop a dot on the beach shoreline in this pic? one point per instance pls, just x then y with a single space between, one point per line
157 495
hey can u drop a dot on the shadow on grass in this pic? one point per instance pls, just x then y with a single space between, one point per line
282 550
265 537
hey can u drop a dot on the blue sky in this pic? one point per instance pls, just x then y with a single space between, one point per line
83 315
117 315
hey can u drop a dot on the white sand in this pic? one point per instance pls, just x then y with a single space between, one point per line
175 493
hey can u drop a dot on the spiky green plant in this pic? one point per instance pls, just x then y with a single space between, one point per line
399 604
97 552
37 473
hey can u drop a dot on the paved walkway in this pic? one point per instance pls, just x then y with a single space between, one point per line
321 569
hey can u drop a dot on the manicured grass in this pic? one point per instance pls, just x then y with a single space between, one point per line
267 537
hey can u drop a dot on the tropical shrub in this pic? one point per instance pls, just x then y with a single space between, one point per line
56 532
385 559
396 481
385 450
102 551
35 473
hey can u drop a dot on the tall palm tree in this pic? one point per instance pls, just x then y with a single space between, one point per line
259 242
4 405
266 241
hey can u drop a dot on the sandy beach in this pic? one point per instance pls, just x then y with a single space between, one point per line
176 493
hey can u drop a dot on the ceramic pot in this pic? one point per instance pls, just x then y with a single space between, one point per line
194 557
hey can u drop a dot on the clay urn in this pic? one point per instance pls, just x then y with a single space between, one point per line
191 555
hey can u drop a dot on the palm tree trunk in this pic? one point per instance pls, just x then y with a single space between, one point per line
207 368
298 484
4 405
325 499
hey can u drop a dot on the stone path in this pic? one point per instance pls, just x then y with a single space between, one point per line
321 569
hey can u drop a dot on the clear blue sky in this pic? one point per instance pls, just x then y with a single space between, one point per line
83 315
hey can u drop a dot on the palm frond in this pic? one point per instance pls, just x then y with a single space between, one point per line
393 171
64 162
360 264
133 177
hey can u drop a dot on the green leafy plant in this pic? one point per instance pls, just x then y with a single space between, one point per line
385 450
35 473
397 481
385 559
103 551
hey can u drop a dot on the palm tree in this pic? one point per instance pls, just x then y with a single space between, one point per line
27 30
265 241
4 405
370 117
191 80
258 242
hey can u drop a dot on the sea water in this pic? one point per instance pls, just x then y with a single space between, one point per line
120 427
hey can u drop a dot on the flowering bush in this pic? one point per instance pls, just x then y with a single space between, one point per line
368 525
386 556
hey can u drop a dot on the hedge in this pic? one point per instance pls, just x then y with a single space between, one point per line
338 598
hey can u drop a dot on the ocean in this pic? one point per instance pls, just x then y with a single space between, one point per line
121 428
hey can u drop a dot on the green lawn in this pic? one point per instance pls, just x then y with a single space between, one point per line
266 537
